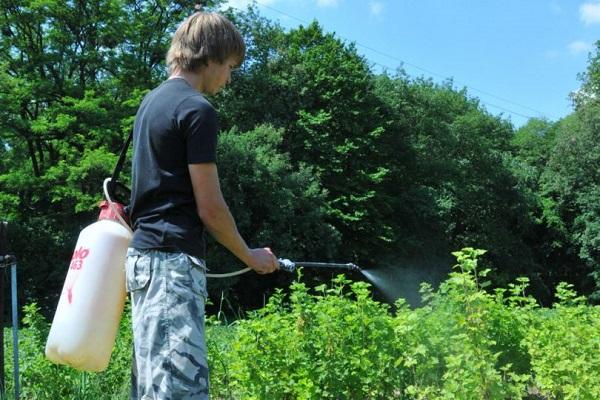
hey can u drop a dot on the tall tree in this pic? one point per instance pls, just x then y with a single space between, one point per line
569 187
320 92
453 185
72 76
571 193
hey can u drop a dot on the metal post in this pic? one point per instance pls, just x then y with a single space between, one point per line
5 261
15 320
3 251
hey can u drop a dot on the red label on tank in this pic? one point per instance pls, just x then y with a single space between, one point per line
78 258
74 268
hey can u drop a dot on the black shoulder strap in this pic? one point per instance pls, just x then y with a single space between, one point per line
122 156
115 175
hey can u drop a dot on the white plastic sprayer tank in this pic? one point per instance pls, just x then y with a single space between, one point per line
87 318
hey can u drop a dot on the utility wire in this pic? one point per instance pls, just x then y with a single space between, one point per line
445 77
403 62
483 102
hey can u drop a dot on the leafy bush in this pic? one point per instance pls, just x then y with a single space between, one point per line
41 380
564 344
455 352
336 342
464 343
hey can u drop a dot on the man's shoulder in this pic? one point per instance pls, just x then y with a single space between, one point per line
196 100
178 96
195 103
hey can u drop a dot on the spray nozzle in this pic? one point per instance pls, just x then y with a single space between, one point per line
354 267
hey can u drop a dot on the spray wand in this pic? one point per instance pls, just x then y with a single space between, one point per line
290 266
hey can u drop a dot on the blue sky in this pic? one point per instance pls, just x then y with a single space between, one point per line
519 57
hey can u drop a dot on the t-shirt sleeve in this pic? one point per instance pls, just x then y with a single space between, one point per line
198 123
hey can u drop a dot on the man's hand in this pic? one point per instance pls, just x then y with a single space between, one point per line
263 261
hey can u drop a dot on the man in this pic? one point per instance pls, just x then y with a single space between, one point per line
176 197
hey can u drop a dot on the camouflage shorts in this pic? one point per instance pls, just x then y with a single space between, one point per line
168 292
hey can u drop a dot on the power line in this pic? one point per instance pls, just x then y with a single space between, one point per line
403 62
484 102
445 77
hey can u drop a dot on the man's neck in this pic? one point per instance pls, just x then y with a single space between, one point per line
192 78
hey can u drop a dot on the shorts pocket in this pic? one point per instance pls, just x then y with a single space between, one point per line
199 281
198 272
198 263
137 271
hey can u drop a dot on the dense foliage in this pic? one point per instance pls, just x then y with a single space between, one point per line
335 342
320 158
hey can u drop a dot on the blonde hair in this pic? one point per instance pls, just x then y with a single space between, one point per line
203 37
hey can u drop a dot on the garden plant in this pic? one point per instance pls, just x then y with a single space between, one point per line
335 341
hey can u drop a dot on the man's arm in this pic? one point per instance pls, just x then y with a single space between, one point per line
219 222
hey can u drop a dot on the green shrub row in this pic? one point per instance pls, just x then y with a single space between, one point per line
336 342
465 342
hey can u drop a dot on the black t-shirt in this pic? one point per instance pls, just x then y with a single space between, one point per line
174 126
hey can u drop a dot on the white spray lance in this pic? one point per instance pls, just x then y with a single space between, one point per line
290 266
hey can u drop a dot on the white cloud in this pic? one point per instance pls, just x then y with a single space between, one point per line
590 12
579 46
327 3
376 7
